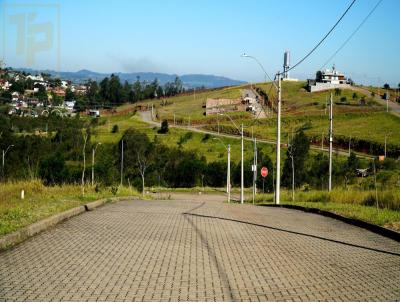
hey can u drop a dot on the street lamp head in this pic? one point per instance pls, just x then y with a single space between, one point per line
244 55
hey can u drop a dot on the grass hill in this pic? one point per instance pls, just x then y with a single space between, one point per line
358 118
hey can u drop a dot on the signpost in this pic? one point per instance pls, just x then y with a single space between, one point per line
264 173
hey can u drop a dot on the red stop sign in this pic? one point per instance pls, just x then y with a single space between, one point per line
264 171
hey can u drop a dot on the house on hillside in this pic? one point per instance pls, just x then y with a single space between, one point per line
14 96
328 79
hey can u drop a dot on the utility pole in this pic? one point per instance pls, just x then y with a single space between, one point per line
85 138
174 119
4 158
322 141
242 173
387 103
228 177
122 159
278 143
385 144
254 169
330 142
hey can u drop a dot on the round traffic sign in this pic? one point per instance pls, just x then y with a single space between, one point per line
264 171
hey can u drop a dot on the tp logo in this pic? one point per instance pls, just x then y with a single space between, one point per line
31 34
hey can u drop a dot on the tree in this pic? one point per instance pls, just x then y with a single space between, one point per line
137 90
52 169
386 86
69 95
299 150
104 89
355 96
338 92
115 90
164 127
137 155
92 92
215 174
349 167
42 94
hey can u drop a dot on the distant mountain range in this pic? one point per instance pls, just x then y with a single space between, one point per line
189 80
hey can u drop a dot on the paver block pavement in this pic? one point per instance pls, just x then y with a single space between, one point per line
201 249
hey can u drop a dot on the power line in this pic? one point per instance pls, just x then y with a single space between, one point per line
323 39
354 32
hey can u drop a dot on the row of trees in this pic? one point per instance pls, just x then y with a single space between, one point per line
112 92
57 158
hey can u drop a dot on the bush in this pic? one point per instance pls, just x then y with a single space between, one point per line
53 170
206 137
115 129
185 138
164 127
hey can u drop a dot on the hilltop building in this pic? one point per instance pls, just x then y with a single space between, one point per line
328 79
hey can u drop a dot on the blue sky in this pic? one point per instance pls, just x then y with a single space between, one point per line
176 36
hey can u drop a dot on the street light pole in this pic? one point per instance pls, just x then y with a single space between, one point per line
278 140
242 173
278 143
330 142
242 161
254 169
122 159
93 154
228 177
228 173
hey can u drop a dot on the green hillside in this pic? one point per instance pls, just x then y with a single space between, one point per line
357 116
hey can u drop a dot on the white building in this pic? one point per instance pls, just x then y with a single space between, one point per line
35 78
328 79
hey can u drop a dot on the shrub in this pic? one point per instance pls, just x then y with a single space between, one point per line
115 129
206 137
164 127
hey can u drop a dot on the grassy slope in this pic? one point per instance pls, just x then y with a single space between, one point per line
212 149
368 122
41 202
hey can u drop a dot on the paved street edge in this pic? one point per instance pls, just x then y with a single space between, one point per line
21 235
356 222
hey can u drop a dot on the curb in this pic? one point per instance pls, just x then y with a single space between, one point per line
18 236
356 222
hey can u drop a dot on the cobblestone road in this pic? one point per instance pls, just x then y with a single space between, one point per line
199 249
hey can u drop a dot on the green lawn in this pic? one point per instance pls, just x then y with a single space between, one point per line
41 202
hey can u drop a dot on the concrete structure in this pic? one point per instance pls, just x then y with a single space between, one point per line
328 79
286 67
215 106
